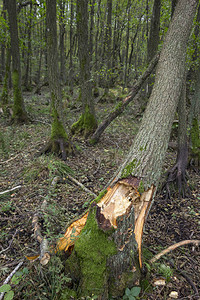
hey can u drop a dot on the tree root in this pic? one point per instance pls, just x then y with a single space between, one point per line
58 146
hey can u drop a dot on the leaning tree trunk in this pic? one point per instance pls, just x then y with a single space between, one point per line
177 174
19 113
59 140
103 261
87 123
194 120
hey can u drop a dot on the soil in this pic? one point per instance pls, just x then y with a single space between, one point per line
45 178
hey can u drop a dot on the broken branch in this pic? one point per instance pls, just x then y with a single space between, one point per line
173 247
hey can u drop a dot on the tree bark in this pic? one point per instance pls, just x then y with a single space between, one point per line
87 122
103 259
62 40
59 140
19 113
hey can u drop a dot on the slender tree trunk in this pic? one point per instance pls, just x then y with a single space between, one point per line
194 122
19 113
87 122
127 42
71 47
62 40
154 38
177 174
4 95
103 260
59 140
27 80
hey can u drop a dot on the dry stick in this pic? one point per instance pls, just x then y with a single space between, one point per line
121 106
7 191
6 161
10 276
10 243
44 255
170 248
81 185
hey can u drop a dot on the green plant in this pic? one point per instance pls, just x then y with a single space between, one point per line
166 271
6 288
131 294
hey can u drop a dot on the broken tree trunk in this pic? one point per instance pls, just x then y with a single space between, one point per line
104 258
125 102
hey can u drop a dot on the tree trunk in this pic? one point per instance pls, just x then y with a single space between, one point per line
103 261
194 122
19 113
27 80
62 40
71 72
177 174
153 40
59 140
87 122
4 95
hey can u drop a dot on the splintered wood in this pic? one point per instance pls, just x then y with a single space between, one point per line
116 203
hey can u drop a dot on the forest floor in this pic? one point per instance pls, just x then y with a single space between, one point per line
169 221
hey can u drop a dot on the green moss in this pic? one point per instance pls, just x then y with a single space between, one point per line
195 138
67 294
141 188
18 109
57 128
86 123
129 168
101 194
119 106
91 251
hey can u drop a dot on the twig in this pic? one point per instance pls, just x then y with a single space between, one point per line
7 191
81 185
6 161
10 243
170 248
10 276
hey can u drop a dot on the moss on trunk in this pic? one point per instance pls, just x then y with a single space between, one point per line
19 113
88 261
86 124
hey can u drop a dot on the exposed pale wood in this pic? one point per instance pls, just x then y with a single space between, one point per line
10 190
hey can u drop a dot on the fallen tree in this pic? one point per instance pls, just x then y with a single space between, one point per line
125 102
104 243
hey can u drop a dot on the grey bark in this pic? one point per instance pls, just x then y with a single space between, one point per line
147 153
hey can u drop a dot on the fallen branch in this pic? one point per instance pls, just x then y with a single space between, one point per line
10 276
6 161
10 243
13 189
123 103
44 255
173 247
81 185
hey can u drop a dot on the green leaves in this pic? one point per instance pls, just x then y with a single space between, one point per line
6 288
131 294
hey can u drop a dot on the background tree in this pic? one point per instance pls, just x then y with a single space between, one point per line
87 122
59 140
19 113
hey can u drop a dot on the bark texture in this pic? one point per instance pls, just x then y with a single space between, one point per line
87 122
59 140
19 113
147 153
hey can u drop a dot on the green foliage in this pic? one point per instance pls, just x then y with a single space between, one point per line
131 294
9 294
166 271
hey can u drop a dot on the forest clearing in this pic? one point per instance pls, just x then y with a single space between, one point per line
99 150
